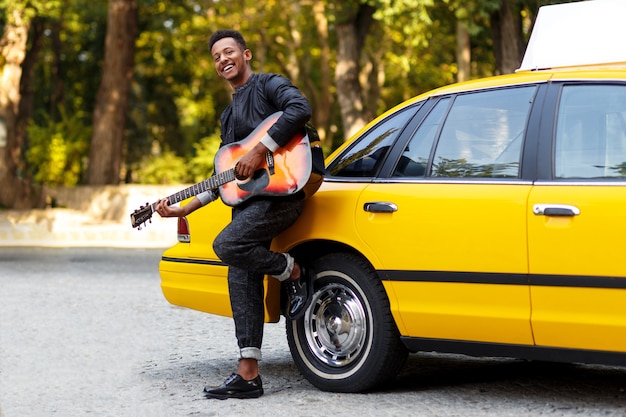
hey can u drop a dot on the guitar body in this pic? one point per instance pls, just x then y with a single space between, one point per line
291 167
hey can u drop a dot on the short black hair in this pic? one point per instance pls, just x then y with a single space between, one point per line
227 33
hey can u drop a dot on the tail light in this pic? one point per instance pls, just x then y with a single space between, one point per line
183 230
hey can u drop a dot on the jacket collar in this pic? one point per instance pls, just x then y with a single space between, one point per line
247 84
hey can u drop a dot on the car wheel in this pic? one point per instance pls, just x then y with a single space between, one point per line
347 340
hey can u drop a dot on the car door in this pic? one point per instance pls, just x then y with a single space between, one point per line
449 223
577 222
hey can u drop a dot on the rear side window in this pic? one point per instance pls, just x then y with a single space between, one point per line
482 134
591 132
366 156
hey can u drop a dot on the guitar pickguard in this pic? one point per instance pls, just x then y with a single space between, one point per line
257 183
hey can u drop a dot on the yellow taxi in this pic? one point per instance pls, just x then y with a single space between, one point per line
485 218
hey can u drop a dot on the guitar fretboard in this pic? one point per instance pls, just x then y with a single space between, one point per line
209 184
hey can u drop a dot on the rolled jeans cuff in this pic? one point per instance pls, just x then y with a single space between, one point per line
287 272
250 353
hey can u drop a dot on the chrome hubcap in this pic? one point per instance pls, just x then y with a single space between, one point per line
337 325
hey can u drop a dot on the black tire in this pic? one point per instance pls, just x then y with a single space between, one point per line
347 340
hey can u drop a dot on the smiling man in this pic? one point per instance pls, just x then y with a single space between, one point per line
244 244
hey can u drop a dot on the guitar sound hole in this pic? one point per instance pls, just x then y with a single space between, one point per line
238 176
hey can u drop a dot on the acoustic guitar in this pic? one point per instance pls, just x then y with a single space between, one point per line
285 172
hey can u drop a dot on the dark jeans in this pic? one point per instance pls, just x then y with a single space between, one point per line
244 246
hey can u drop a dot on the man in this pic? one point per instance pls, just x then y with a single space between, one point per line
244 244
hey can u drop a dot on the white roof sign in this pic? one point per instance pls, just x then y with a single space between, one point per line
574 34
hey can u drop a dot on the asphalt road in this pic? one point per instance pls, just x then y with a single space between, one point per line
86 332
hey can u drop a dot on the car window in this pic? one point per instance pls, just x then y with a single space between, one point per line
366 156
415 157
483 133
591 132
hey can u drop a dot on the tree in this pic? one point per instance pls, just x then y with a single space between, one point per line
352 22
109 118
304 55
320 95
13 183
508 38
463 52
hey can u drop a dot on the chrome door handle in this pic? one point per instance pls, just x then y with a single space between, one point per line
562 210
380 207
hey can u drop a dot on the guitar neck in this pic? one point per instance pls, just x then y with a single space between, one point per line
211 183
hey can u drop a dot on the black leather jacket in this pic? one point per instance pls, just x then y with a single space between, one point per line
261 96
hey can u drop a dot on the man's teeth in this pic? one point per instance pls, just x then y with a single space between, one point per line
228 67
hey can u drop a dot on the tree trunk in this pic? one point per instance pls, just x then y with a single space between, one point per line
323 100
57 98
508 38
320 95
27 94
351 33
463 52
109 118
15 189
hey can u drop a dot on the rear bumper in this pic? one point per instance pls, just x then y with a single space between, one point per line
201 284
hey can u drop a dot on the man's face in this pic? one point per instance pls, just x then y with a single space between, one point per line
231 62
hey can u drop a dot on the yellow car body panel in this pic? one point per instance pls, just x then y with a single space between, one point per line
443 226
572 242
580 318
329 216
575 316
458 311
202 288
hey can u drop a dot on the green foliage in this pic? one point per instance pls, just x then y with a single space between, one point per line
168 168
163 169
57 150
202 162
474 13
175 82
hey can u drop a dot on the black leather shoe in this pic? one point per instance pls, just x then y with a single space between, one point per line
236 387
299 294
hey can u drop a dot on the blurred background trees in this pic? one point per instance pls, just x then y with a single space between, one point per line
125 91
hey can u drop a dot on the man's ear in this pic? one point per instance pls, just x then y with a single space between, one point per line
247 55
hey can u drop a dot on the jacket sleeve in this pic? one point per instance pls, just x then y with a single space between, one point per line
295 107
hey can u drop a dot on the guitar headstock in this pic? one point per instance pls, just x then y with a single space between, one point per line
141 215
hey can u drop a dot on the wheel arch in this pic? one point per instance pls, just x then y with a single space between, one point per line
307 252
311 250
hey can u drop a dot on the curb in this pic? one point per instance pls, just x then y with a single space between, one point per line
60 228
92 217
